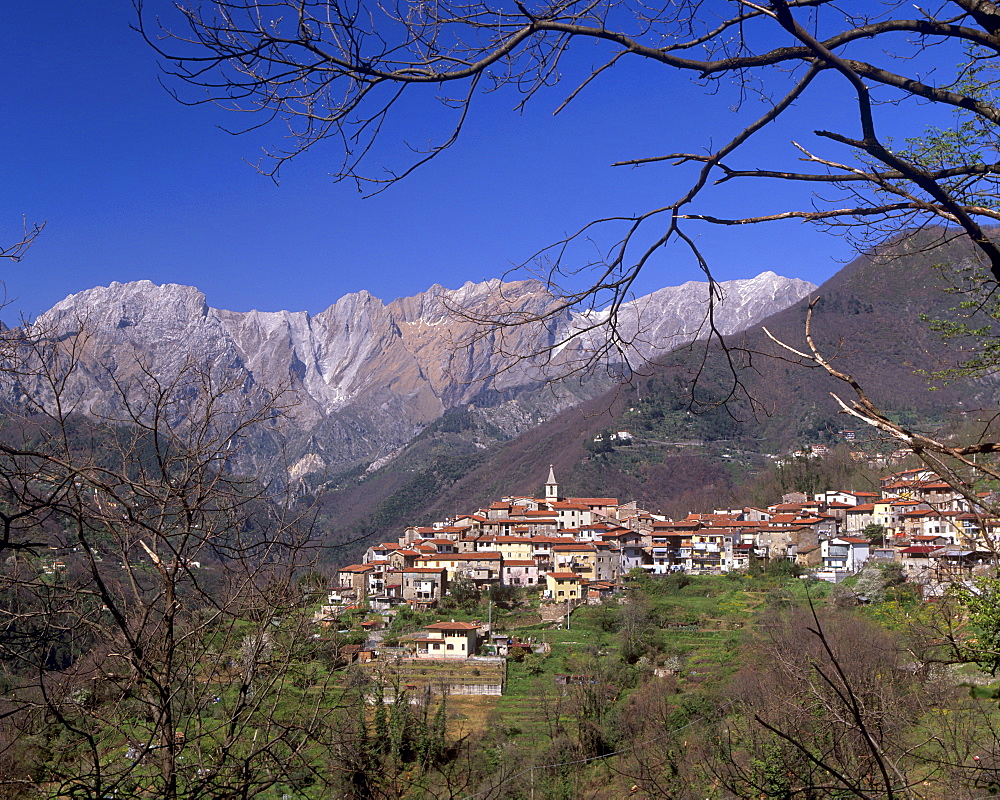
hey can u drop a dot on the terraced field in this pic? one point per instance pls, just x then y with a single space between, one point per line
422 673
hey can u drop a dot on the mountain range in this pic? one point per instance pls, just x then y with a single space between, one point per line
361 379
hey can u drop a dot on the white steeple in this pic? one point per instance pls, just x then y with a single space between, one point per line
551 487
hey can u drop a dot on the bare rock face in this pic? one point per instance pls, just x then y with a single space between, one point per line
361 378
652 326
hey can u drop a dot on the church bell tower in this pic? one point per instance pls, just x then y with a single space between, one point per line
551 487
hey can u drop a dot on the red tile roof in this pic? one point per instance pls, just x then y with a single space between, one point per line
452 626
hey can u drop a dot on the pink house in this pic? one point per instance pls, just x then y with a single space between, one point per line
520 572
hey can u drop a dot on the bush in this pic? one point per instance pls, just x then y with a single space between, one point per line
533 664
782 568
607 617
506 597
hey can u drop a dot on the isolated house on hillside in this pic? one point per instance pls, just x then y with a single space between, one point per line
448 640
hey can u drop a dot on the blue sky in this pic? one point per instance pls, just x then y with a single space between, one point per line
134 185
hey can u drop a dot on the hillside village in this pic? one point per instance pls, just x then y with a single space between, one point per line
575 550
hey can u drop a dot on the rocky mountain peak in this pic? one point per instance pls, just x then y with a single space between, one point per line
125 305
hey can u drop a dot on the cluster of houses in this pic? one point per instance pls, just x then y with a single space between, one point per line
575 549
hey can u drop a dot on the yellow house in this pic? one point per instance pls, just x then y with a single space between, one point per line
564 585
513 548
448 640
578 557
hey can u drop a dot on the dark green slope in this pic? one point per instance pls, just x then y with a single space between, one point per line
866 322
